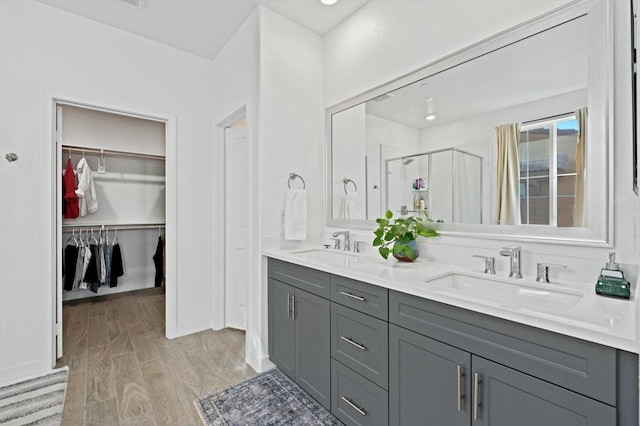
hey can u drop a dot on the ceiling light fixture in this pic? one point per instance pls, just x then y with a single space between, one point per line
430 117
328 2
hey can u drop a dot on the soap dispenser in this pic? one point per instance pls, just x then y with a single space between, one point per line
611 281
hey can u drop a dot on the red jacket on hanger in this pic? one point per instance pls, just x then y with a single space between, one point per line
70 197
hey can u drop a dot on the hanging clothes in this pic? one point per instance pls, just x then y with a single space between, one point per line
70 197
70 261
79 269
107 262
86 191
86 260
117 268
158 261
102 266
64 192
91 276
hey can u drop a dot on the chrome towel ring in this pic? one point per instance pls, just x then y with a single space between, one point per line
346 181
293 176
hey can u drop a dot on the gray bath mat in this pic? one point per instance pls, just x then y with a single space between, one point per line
38 401
270 398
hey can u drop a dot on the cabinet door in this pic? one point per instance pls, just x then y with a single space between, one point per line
313 345
282 327
428 381
506 397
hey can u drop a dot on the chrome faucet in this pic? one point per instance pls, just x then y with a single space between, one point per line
347 244
514 253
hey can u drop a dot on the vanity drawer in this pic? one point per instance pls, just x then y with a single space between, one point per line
307 279
364 297
361 342
355 400
584 367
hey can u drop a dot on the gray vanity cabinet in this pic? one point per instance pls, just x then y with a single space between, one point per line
506 397
282 329
448 386
299 328
428 382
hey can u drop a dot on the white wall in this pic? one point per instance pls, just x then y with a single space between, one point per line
399 37
235 76
291 136
385 40
45 52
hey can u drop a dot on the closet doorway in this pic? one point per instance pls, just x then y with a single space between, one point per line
237 219
110 219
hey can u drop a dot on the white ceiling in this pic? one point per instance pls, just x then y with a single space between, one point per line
202 27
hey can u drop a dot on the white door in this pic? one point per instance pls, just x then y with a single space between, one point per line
58 234
236 226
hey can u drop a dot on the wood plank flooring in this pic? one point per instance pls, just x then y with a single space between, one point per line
123 371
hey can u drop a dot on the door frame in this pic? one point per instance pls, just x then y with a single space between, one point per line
220 264
54 154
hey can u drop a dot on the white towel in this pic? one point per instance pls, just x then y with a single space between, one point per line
350 206
295 215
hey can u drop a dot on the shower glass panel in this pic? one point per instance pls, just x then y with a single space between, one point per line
447 184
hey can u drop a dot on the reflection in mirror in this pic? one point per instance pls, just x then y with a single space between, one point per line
501 138
447 184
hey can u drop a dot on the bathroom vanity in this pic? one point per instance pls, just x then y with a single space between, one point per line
383 342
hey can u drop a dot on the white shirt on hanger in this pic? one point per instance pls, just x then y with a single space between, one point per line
86 192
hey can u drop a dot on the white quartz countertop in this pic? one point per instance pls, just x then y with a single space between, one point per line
604 320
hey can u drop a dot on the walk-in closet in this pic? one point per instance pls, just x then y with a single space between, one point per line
111 207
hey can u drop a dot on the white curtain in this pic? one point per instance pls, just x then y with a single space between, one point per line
508 179
578 203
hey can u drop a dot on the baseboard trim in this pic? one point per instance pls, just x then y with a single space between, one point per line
24 371
192 327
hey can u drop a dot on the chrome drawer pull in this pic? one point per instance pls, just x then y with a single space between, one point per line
357 345
355 407
353 296
460 394
288 306
476 390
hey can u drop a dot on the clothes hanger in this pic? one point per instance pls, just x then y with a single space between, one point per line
80 238
73 238
93 238
115 237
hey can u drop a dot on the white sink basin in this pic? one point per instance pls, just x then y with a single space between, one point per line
328 257
507 292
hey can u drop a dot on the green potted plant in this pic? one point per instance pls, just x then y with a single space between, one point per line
398 236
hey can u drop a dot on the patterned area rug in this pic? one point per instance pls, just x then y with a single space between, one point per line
37 401
270 398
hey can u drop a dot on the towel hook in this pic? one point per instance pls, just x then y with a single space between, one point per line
293 176
346 181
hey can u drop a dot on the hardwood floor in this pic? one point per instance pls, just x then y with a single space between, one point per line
123 371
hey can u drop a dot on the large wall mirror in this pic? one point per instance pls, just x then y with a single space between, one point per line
509 138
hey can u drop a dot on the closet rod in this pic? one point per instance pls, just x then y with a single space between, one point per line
109 152
114 226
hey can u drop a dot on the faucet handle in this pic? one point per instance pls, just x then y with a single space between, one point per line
356 246
543 271
489 263
336 243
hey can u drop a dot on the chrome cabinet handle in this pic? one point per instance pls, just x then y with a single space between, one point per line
293 307
288 306
353 296
476 391
357 345
355 407
460 394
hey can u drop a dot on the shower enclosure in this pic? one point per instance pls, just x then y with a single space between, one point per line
446 183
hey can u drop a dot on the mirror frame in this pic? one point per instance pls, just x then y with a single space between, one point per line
600 230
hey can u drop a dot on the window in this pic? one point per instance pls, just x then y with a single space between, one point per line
547 153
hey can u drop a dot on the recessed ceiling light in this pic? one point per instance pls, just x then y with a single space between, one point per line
328 1
430 117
